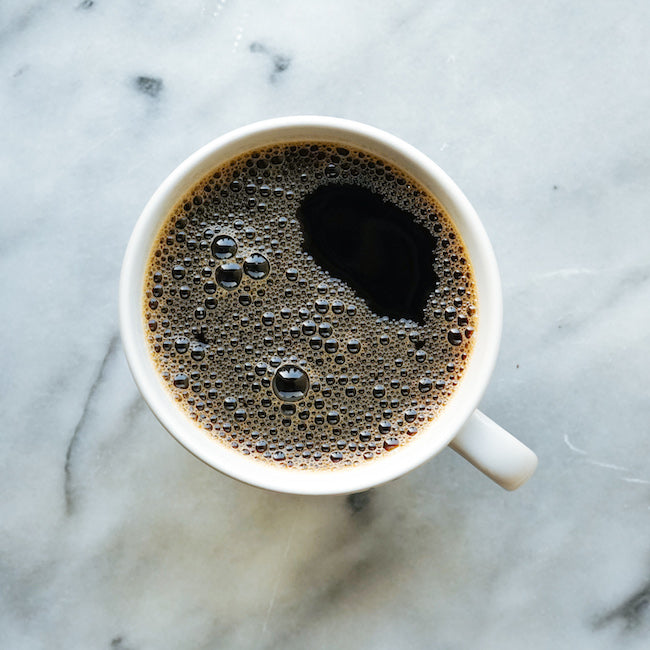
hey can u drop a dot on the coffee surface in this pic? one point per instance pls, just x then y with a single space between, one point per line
309 305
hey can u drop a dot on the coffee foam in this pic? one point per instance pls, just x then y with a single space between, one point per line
232 303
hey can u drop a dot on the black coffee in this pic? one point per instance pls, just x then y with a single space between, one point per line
310 305
376 248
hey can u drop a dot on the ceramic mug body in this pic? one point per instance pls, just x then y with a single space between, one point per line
434 436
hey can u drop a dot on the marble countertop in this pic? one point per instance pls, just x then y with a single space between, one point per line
114 537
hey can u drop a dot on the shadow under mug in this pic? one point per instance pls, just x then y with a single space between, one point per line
481 441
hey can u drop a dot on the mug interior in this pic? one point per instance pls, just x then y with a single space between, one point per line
434 436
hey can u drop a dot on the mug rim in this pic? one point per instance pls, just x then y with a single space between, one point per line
434 436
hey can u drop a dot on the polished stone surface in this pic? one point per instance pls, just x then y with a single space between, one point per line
114 537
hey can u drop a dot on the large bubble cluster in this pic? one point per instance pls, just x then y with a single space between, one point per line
268 352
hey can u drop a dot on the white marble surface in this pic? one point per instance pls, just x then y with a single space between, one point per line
113 537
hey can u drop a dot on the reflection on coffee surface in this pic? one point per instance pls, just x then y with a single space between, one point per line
310 305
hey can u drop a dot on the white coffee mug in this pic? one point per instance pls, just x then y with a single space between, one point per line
473 435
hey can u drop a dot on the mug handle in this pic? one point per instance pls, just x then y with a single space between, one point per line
496 453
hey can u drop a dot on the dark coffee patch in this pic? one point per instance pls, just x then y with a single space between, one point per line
374 246
150 86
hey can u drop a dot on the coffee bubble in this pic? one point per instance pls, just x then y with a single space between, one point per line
182 344
354 346
290 383
224 247
181 380
229 275
256 266
309 328
391 443
331 345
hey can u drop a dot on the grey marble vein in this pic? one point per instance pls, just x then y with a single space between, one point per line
69 490
20 21
632 612
359 502
151 86
280 62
